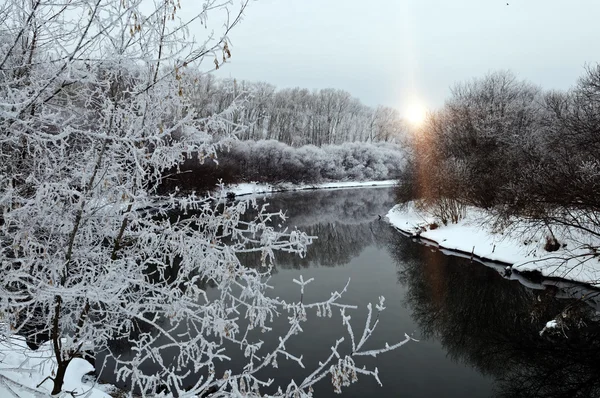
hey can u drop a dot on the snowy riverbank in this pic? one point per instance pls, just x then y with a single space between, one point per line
259 188
520 247
24 373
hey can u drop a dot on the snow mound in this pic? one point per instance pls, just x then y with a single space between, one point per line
22 372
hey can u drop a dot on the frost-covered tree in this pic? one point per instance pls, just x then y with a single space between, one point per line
559 183
528 157
273 162
297 116
94 106
472 147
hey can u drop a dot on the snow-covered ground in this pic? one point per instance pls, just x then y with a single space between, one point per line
519 246
22 373
259 188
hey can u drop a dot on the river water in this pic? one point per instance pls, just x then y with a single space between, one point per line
478 331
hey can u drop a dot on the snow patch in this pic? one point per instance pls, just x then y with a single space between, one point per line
260 188
551 324
519 246
22 372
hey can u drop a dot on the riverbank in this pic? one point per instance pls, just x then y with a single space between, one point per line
25 373
260 188
521 247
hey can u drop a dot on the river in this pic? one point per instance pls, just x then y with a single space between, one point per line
478 330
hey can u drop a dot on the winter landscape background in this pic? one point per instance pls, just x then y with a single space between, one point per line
168 230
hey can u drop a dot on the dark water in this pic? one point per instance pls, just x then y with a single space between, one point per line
478 331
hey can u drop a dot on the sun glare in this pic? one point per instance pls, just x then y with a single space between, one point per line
415 114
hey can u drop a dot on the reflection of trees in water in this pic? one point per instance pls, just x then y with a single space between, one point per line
348 206
481 319
338 218
345 223
493 324
337 243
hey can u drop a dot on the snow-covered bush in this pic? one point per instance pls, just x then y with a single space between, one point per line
92 113
272 161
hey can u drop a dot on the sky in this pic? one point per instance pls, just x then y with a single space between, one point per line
406 53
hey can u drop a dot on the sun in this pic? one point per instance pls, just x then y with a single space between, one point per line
415 114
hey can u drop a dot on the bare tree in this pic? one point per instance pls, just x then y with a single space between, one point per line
296 116
94 106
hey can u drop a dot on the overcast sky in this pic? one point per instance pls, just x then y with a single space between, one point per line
397 52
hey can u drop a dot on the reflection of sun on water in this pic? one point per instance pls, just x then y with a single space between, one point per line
415 114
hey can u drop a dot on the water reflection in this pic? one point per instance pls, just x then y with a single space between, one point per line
481 319
493 325
344 221
479 331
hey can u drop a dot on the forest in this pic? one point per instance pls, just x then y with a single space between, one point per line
290 135
295 116
274 162
507 146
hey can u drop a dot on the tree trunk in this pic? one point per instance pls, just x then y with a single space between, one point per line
59 379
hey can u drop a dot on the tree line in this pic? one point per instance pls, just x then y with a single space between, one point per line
273 162
506 145
295 116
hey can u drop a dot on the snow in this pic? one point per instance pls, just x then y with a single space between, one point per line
259 188
22 370
551 324
521 246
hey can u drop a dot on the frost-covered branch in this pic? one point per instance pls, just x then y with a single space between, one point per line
94 111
